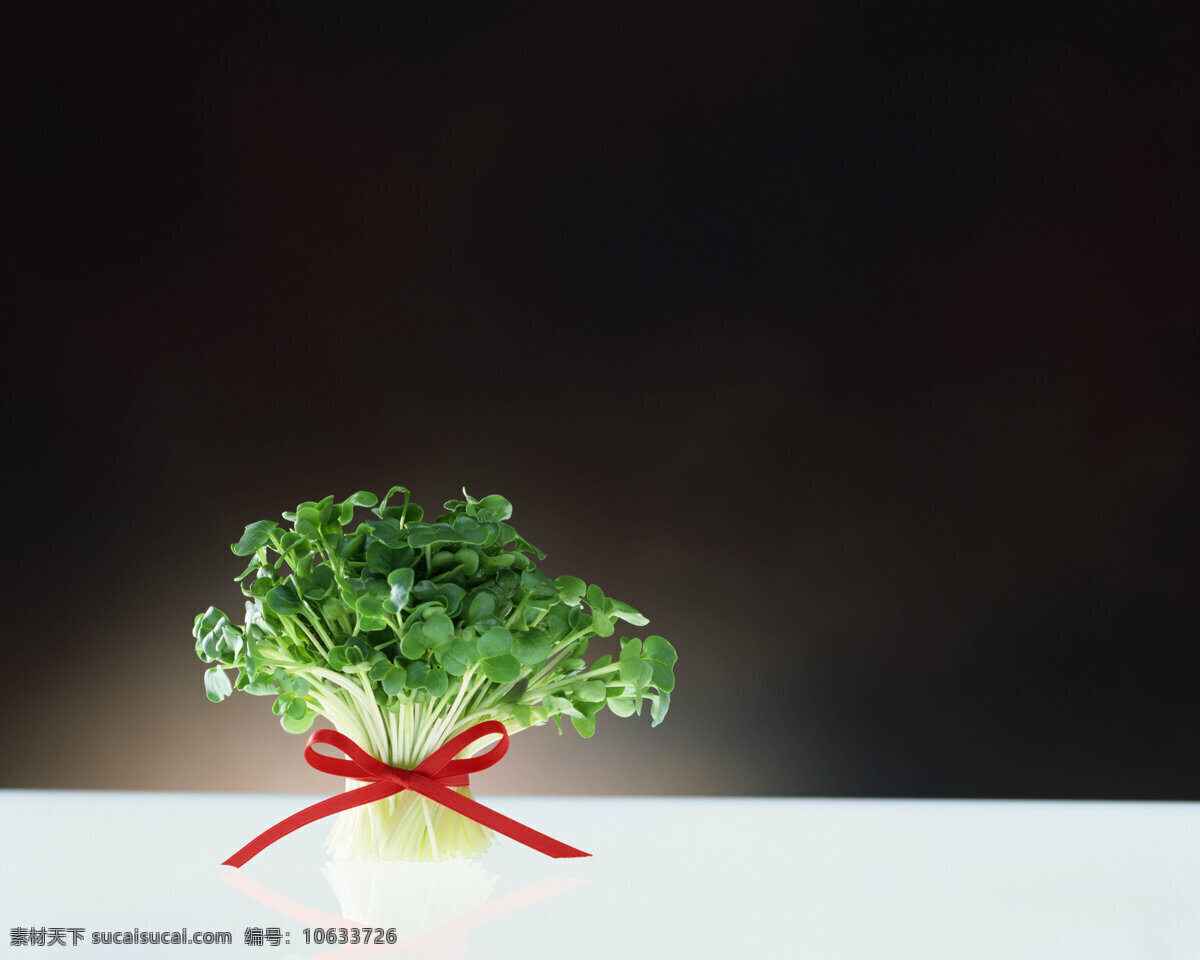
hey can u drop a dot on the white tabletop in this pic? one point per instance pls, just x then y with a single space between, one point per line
670 877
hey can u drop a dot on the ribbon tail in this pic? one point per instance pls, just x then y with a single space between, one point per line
474 810
319 810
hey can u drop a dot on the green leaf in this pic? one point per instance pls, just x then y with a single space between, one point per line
429 534
414 643
571 590
539 586
385 529
337 657
453 595
348 549
364 498
588 709
256 535
230 642
498 562
296 686
325 510
308 523
497 507
255 564
418 673
637 672
401 578
333 609
358 650
624 611
379 557
495 642
555 622
530 646
217 685
388 496
467 560
458 656
622 706
205 622
595 599
562 706
584 726
591 691
661 656
522 714
409 513
502 669
579 619
400 583
304 565
657 648
469 530
369 607
262 684
395 680
364 587
506 585
439 629
318 585
332 536
283 601
288 540
520 543
659 703
206 628
436 682
602 624
482 606
301 725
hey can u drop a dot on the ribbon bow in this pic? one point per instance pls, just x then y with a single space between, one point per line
433 778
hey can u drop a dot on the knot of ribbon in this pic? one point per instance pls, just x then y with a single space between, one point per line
432 778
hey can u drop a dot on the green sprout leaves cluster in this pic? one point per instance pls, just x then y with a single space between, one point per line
366 612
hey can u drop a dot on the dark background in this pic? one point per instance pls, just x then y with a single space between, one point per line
856 344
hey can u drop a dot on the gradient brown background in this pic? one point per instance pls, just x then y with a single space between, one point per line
856 344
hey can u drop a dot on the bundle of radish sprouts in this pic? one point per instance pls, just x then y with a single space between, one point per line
404 633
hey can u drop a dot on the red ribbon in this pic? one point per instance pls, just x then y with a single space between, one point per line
432 778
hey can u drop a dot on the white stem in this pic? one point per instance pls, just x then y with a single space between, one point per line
405 826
